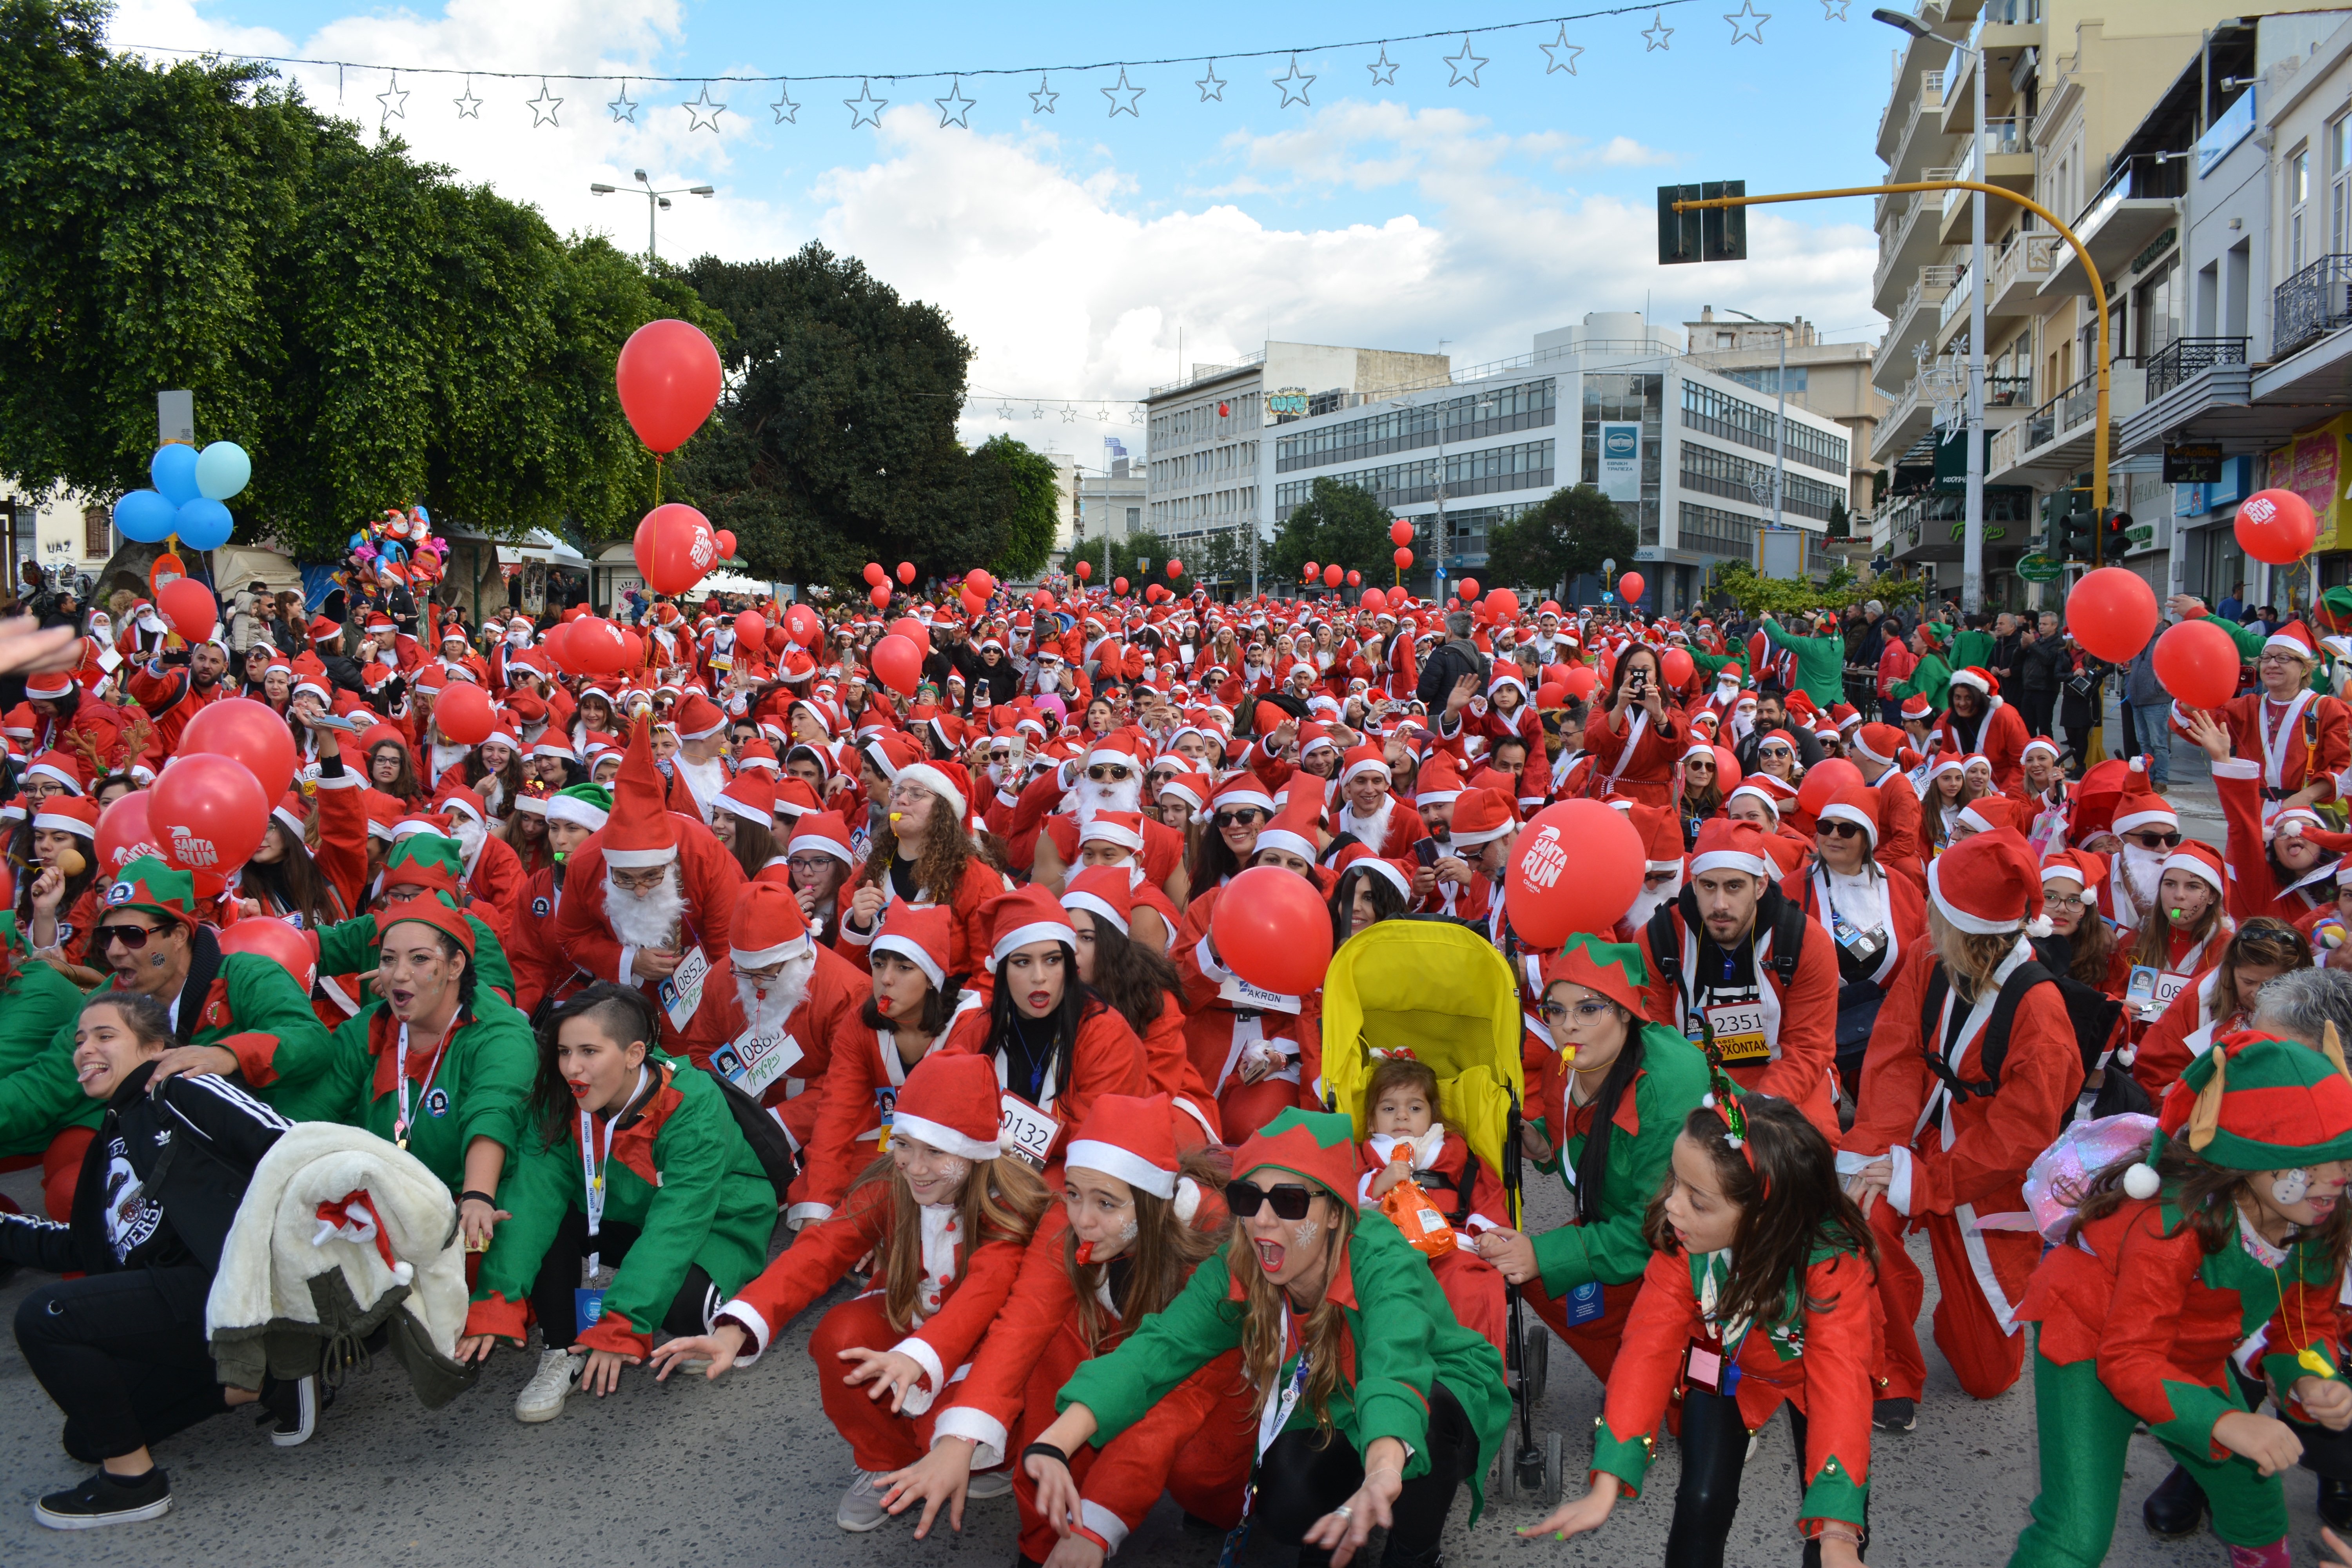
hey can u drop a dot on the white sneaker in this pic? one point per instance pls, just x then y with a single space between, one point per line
989 1484
861 1505
541 1398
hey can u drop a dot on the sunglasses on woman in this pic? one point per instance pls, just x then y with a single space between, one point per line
1842 829
2152 839
1243 817
1289 1200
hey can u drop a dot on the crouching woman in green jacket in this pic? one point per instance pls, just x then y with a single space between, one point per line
1417 1403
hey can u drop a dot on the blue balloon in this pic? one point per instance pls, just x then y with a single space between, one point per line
144 516
222 470
173 470
204 524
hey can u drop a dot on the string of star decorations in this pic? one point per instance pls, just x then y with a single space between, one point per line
1123 97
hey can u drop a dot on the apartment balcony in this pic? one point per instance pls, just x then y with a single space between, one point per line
1912 321
2310 305
2055 440
1919 57
1907 420
1925 141
2003 32
2139 201
2007 163
1907 242
2017 274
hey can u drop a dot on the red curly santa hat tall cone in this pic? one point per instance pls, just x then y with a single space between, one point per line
639 833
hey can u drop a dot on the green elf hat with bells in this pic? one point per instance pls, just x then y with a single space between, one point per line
1317 1146
2255 1103
160 889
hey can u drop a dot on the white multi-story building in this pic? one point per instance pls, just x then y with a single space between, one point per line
1690 455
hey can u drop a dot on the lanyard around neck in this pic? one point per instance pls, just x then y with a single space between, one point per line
405 1113
593 1168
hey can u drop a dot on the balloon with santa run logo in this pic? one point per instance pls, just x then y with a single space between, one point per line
210 811
675 548
1547 903
123 835
803 626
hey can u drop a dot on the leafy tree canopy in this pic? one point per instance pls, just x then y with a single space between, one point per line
1566 535
1335 525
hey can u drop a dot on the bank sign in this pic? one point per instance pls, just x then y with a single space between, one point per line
1621 461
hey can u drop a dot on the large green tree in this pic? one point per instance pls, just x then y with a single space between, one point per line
1335 525
370 330
1567 535
837 443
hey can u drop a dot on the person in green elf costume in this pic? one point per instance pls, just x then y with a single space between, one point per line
1610 1115
1376 1404
1820 660
440 1065
421 865
635 1205
236 1012
1931 677
2228 1235
44 1117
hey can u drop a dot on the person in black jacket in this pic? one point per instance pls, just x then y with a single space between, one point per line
1448 663
2042 666
122 1350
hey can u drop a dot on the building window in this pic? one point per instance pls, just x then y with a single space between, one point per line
2340 185
1134 518
1735 419
1719 473
1768 378
97 533
1469 418
1486 472
2298 202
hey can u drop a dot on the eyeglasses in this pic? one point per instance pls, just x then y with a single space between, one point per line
1241 816
133 938
2279 658
1842 829
1115 773
2061 901
1585 1013
1289 1200
2152 839
644 881
758 976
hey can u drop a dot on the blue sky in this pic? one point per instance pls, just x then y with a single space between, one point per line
1074 248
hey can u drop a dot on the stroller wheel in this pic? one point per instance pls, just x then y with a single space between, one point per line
1535 1362
1553 1462
1506 1476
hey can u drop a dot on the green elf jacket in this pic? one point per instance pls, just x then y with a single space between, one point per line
40 1096
1608 1246
1821 663
477 1089
1384 1389
349 947
680 1171
1931 677
1972 645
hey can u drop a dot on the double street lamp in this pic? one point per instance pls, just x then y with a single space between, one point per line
657 202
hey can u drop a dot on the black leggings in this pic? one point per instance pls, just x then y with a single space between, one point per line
1714 1454
558 1275
119 1359
1299 1482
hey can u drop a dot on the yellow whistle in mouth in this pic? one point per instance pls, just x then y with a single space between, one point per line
898 816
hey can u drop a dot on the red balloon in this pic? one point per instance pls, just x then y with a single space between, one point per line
1580 681
1084 570
251 734
598 647
2198 663
1042 599
879 595
1630 586
979 581
1404 559
751 630
1822 780
1549 901
1175 569
1355 579
463 713
1726 770
1374 600
875 575
975 604
210 813
913 630
1502 603
1308 571
2276 526
898 664
123 835
295 952
1120 586
1271 928
2111 613
633 648
906 573
675 547
668 379
803 626
1333 576
726 541
1466 590
1677 667
190 607
1400 533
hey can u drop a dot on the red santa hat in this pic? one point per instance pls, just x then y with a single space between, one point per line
59 767
1243 790
1022 916
1856 803
1481 816
50 688
2201 861
1988 812
1437 781
1124 828
749 796
1294 829
1727 846
1978 677
2140 807
641 832
768 927
1878 743
2294 638
826 832
1364 856
1193 789
949 1102
73 814
2084 866
1133 1138
1988 885
697 718
1104 893
941 779
1363 759
922 934
1917 708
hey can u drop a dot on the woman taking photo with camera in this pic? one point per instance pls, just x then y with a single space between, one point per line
1635 735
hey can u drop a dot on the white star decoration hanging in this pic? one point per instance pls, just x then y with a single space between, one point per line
1833 10
1297 94
787 111
1384 70
1041 101
542 108
866 108
702 114
1004 411
468 107
1747 23
1134 94
1212 85
955 106
394 99
624 107
1561 53
1070 415
1465 66
1657 33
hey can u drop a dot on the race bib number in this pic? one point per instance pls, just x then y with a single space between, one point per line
110 662
587 1306
753 1062
1738 1028
886 1109
721 661
1024 1130
2151 990
681 993
1242 994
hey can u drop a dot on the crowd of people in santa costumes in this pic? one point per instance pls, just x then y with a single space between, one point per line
696 985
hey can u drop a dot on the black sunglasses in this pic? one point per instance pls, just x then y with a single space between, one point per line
133 938
1842 829
2155 840
1245 816
1289 1200
1116 772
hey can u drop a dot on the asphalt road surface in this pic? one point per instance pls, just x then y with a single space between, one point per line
746 1470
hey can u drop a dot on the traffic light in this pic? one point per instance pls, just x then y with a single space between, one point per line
1709 233
2078 536
2115 532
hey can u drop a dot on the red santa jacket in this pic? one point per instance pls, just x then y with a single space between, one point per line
1217 1034
2253 883
968 940
1106 1058
2305 740
864 1072
1647 775
711 882
1999 736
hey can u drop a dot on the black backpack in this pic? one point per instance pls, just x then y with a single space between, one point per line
766 1135
1995 1048
1789 922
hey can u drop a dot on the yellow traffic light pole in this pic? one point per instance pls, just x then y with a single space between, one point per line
2090 269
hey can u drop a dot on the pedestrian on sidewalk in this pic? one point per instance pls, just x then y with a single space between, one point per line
2151 711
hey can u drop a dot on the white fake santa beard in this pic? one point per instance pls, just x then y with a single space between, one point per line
2145 869
1371 830
470 834
767 1014
1648 904
1093 798
646 919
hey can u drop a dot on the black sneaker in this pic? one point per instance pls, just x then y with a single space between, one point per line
2176 1510
107 1500
289 1408
1893 1414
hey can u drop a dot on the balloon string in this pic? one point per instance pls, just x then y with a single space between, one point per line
658 474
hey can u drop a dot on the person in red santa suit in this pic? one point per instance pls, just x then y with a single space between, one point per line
68 719
922 852
2281 858
794 998
541 971
1875 919
1722 964
1971 1073
699 773
947 1218
493 871
1877 751
2300 740
1980 723
1141 983
1368 808
1634 734
648 902
1110 778
1114 840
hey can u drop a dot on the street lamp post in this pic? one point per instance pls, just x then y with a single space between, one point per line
1972 547
657 202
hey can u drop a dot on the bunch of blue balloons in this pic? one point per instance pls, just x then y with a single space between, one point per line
191 488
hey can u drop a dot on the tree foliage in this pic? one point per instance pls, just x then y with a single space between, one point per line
1738 583
836 445
1566 535
371 330
1337 525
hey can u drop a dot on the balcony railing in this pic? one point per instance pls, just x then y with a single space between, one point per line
2143 177
2008 391
2184 359
2029 256
2008 14
1958 299
2313 303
